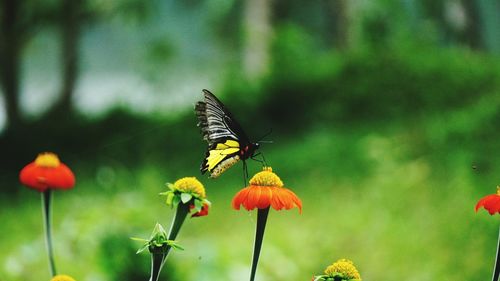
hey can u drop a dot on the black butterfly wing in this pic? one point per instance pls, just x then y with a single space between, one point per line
217 123
223 134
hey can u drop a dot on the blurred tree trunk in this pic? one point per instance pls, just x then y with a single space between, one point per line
472 33
257 38
461 22
71 25
10 59
340 13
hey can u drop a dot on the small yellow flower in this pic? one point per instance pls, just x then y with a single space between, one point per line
190 185
345 268
266 178
48 160
62 277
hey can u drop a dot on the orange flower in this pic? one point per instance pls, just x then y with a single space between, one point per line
266 189
47 172
490 202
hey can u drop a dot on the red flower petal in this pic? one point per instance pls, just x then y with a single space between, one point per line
265 197
491 203
42 178
295 199
253 198
276 201
240 197
202 212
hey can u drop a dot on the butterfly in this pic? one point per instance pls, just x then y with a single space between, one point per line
227 142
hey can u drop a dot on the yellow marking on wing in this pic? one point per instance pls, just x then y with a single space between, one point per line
228 144
220 152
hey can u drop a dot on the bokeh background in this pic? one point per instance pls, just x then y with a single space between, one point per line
384 118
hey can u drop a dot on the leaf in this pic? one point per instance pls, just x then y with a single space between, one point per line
141 249
170 197
170 186
176 201
198 205
139 239
185 197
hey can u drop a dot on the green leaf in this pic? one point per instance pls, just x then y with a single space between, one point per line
170 197
198 205
185 197
141 249
176 201
170 186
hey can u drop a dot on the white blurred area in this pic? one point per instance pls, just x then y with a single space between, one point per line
116 69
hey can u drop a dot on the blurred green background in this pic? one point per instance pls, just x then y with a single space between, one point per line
384 114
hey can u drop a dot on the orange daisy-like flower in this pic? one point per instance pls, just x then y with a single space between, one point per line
491 202
47 172
266 189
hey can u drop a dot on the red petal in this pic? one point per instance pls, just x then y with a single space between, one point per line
30 176
492 204
275 200
64 177
240 197
265 197
41 178
202 212
253 198
295 199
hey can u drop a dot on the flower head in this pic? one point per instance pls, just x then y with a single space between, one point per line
189 191
189 185
266 189
62 277
344 269
47 172
491 202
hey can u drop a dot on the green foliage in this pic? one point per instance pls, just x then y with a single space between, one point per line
117 259
379 146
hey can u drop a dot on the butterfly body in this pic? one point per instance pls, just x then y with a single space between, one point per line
227 142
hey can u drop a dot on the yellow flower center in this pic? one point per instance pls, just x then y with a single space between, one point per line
190 185
47 160
62 278
498 190
344 267
266 178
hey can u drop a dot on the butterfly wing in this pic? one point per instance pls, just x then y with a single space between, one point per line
220 157
216 122
223 134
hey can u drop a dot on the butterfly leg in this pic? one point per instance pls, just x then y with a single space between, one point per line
262 161
245 173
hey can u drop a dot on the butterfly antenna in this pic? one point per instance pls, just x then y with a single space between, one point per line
265 135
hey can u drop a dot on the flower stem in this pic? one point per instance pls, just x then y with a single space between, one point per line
259 237
179 217
496 269
46 211
157 260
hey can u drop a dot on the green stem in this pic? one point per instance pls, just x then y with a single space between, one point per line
157 260
46 210
259 237
496 269
175 227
